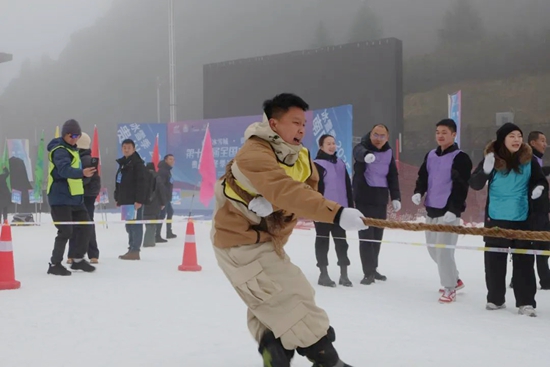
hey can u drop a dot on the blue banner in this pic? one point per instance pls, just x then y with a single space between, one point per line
455 112
144 136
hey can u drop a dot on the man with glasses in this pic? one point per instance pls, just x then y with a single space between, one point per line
375 176
66 199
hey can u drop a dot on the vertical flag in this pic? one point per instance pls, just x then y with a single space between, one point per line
156 155
39 169
95 150
207 169
57 135
5 163
455 111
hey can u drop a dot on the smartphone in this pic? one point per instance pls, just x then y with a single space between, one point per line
95 162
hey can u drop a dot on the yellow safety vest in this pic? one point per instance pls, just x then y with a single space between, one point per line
76 185
299 171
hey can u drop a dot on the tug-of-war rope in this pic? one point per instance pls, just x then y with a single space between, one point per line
537 236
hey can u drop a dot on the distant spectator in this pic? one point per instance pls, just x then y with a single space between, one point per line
5 194
165 172
130 190
152 210
92 186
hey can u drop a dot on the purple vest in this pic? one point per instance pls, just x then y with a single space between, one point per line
440 183
376 173
538 160
335 181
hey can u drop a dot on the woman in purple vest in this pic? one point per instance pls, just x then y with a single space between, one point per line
334 184
444 177
515 188
375 176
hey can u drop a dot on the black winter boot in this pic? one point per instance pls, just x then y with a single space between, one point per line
324 278
344 280
273 353
368 279
322 353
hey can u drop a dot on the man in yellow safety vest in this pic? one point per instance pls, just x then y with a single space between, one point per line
66 199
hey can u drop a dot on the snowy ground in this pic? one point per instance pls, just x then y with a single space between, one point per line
148 313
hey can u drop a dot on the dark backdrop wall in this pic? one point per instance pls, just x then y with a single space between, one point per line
367 75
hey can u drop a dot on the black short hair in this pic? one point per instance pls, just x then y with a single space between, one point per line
534 135
381 125
168 156
281 103
450 123
128 141
323 138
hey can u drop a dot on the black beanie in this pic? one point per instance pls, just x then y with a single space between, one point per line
71 127
506 129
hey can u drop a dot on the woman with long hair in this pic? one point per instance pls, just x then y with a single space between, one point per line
335 185
515 185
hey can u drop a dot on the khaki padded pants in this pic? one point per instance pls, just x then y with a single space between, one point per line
278 295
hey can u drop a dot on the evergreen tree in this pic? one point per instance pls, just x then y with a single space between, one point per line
322 38
461 24
366 26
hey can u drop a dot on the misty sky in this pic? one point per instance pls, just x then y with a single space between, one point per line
31 28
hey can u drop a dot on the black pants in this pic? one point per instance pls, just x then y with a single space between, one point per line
93 250
542 265
369 246
322 242
523 274
168 213
65 232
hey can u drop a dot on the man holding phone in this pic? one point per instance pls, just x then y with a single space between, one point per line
92 186
66 199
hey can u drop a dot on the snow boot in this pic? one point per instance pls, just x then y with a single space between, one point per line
324 278
160 240
344 280
323 353
170 235
273 353
380 277
58 269
130 255
368 279
82 265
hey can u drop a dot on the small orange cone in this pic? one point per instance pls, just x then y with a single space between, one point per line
189 262
7 270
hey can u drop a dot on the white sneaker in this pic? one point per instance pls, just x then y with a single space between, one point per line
492 307
527 311
448 296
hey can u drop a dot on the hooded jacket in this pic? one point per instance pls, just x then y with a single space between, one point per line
362 192
59 194
259 168
538 209
130 180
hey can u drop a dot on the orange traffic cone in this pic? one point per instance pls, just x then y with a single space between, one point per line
189 262
7 272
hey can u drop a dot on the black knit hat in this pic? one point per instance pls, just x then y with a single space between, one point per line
71 127
506 129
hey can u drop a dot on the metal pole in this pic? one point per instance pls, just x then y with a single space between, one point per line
172 56
158 100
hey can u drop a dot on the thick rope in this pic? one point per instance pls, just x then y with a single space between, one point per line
274 223
474 231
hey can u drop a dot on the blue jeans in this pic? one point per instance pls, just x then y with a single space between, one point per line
135 232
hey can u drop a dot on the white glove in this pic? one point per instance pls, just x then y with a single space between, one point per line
350 220
537 192
449 217
416 199
396 205
260 206
489 163
369 158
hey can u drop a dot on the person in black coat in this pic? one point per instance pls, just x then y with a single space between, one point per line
165 172
152 210
5 195
334 184
92 187
131 190
515 185
375 176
